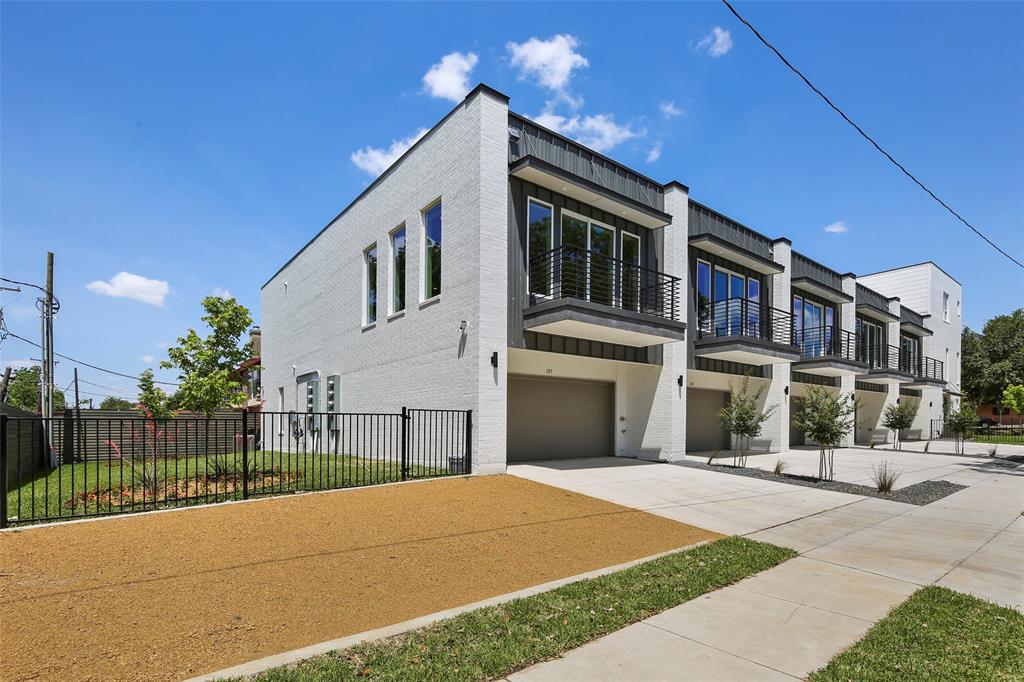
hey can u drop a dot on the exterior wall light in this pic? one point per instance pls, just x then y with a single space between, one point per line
494 359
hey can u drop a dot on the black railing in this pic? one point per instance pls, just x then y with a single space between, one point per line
921 367
743 317
983 431
118 465
826 342
881 357
573 272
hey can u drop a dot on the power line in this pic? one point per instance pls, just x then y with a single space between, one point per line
86 364
866 136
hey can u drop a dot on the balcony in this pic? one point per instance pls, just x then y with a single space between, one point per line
886 365
926 371
741 330
828 351
585 294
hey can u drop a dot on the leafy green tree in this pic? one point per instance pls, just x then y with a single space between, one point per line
993 359
961 423
825 418
899 416
23 390
1013 398
208 366
115 403
152 399
742 417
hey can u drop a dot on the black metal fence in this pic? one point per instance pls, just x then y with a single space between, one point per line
743 317
982 432
826 342
574 272
135 463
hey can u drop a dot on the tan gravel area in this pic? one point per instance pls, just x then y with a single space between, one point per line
170 595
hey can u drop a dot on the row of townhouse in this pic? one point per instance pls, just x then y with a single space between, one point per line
580 308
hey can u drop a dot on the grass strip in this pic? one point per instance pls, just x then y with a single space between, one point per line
495 641
937 634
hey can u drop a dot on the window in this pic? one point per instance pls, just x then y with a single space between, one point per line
704 295
958 307
432 251
370 277
945 307
629 286
539 241
398 270
870 340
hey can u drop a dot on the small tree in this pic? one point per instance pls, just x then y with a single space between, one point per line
115 403
208 368
899 416
1013 398
23 390
961 423
742 417
152 399
825 418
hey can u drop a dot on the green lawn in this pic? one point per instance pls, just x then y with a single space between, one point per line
495 641
101 486
937 634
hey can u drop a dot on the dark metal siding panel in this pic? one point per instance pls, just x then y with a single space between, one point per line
908 315
703 220
804 378
727 367
871 297
583 163
802 266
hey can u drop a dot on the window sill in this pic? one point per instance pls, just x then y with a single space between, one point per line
430 301
396 316
369 326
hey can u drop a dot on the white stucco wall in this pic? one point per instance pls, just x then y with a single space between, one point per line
312 311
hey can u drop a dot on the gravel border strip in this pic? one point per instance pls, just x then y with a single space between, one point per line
918 494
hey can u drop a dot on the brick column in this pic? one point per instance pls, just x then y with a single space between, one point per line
848 323
776 428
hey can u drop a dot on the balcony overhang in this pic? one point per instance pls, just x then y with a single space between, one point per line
888 377
746 349
830 367
737 254
597 322
914 328
926 382
877 313
540 172
823 290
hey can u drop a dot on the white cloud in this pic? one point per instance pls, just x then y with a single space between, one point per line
837 227
147 359
716 43
221 292
655 152
449 78
599 132
136 287
375 161
550 62
669 109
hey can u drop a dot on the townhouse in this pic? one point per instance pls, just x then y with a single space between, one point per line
580 308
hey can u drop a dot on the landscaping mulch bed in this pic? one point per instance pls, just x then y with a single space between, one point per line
919 494
175 594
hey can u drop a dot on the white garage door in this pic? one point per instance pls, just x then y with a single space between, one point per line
556 419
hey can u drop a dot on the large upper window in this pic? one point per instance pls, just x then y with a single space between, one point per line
398 270
370 276
432 251
539 242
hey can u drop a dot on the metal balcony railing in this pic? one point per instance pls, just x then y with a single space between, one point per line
922 367
743 317
573 272
881 357
826 342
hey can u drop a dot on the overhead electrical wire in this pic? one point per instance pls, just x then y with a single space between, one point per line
90 366
868 137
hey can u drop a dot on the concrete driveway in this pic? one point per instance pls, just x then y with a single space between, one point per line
859 558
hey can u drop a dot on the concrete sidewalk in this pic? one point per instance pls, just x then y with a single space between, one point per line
860 557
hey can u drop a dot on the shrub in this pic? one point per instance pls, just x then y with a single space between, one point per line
780 467
826 418
885 476
742 418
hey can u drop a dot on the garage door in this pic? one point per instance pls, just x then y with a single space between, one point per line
554 419
703 433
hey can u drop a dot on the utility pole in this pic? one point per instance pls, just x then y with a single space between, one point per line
46 379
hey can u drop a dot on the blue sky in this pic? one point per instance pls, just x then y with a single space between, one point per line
200 145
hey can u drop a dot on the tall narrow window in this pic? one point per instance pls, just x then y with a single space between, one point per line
432 251
370 265
398 270
704 295
945 307
539 244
